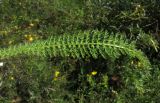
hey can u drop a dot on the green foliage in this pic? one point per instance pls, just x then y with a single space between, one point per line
44 63
83 45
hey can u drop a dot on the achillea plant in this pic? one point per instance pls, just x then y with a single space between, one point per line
85 44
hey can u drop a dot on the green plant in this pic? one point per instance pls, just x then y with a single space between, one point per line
87 44
109 65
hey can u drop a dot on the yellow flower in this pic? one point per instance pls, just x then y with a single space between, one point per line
94 73
30 39
56 73
54 79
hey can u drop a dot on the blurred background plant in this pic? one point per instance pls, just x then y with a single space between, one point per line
35 79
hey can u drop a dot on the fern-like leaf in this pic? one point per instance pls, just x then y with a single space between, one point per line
85 44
